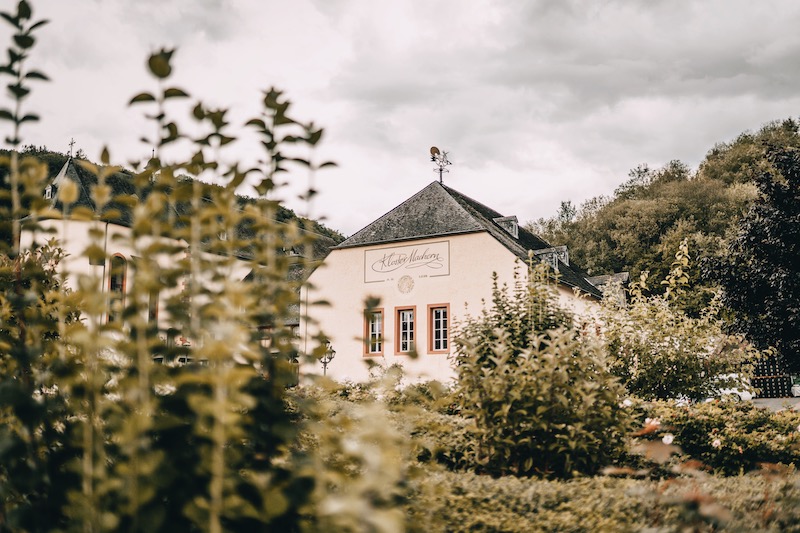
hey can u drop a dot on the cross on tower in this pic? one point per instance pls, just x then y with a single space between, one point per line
71 144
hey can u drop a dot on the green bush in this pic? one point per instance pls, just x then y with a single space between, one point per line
448 501
659 351
540 395
729 437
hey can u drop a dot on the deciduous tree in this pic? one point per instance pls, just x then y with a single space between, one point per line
760 275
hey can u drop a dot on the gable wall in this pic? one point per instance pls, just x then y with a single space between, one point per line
348 276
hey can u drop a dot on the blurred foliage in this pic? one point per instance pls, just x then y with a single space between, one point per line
539 392
95 434
761 501
760 271
659 350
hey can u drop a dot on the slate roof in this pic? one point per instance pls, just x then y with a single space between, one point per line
119 212
121 185
438 210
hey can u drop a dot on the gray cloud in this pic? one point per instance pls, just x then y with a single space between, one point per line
537 101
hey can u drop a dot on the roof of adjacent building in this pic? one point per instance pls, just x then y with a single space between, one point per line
123 189
438 210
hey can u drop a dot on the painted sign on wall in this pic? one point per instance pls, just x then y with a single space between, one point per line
418 260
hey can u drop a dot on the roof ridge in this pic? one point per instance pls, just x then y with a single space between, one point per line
362 234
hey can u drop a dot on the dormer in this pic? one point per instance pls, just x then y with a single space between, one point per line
510 224
553 255
48 192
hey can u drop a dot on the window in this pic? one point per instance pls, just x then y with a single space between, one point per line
116 288
373 332
404 342
48 192
438 328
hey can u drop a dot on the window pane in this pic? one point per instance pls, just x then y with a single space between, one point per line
406 321
375 332
439 328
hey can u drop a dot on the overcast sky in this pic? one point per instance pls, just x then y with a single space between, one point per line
536 101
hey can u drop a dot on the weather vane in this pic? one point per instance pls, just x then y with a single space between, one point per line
71 144
440 158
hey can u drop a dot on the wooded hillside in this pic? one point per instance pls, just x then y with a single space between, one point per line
640 225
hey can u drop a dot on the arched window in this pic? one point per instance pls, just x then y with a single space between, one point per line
116 288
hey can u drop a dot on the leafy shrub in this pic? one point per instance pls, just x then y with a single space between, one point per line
94 435
447 501
540 394
660 351
729 437
35 411
429 395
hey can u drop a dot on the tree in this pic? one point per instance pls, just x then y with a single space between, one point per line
760 275
660 351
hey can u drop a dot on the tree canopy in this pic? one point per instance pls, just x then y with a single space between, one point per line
638 228
760 273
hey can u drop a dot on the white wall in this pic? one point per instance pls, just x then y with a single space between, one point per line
75 236
341 281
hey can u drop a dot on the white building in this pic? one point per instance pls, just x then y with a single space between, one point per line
430 263
98 245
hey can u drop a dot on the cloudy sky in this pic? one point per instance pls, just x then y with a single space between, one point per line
536 101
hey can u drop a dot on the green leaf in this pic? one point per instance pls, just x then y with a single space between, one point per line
36 75
14 21
38 24
174 92
314 137
14 56
283 119
24 10
159 63
24 41
257 122
19 91
198 112
142 97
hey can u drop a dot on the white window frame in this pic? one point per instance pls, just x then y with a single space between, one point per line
373 331
405 329
439 328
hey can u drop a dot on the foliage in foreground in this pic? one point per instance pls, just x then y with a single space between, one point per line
448 501
96 436
659 350
538 391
